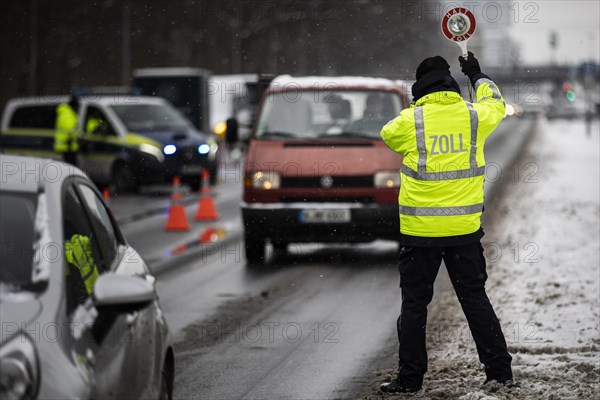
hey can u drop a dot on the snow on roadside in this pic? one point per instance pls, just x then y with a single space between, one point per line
544 261
543 248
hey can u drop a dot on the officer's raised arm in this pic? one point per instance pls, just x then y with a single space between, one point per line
396 132
490 105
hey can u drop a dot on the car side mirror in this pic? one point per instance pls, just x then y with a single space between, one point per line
232 133
123 293
115 295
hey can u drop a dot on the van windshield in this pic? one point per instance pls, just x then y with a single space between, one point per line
150 117
327 113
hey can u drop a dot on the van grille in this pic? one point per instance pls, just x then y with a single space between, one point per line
321 182
328 199
331 145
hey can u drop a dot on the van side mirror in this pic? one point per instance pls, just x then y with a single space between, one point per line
232 133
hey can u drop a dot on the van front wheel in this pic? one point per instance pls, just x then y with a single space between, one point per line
123 178
255 250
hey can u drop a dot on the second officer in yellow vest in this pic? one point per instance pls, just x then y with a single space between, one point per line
66 131
441 137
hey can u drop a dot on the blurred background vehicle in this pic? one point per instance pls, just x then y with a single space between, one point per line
184 88
236 96
133 141
80 314
316 169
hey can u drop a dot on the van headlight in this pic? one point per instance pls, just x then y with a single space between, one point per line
20 369
263 180
387 179
152 150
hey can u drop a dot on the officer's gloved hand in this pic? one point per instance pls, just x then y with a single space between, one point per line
470 67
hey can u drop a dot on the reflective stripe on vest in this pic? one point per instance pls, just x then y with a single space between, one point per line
441 211
493 87
422 175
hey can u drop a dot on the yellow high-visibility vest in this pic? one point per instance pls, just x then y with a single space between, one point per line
92 124
441 138
78 252
66 136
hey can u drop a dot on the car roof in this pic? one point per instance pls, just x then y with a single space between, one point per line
120 99
30 174
234 78
302 82
38 100
124 100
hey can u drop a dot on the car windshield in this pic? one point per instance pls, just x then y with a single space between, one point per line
150 117
17 226
327 113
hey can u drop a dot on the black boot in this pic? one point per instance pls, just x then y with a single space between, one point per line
394 387
509 383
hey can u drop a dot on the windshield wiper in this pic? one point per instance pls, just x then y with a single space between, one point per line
278 134
360 135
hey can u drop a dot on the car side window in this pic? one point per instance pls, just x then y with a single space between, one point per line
97 123
42 117
81 250
101 223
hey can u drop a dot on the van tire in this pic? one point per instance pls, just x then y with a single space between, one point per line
213 176
123 178
255 250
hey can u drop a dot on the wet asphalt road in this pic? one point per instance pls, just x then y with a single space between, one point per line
314 323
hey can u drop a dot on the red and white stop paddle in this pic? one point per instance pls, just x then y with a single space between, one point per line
458 25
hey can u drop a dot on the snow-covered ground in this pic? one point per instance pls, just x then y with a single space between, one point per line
543 247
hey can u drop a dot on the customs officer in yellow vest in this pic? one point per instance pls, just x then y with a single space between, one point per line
441 137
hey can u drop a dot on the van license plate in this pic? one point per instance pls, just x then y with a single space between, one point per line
324 216
191 170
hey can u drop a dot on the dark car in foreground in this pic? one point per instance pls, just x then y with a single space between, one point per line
79 312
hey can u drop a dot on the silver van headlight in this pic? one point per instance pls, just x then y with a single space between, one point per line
20 369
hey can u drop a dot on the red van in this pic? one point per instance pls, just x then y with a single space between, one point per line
316 169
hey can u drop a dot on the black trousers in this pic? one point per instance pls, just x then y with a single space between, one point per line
466 266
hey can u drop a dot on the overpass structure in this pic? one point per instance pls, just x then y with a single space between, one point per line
526 74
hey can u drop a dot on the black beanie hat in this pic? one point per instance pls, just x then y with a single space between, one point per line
433 75
432 64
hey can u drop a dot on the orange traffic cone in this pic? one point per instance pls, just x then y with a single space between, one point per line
177 220
206 209
206 188
176 191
